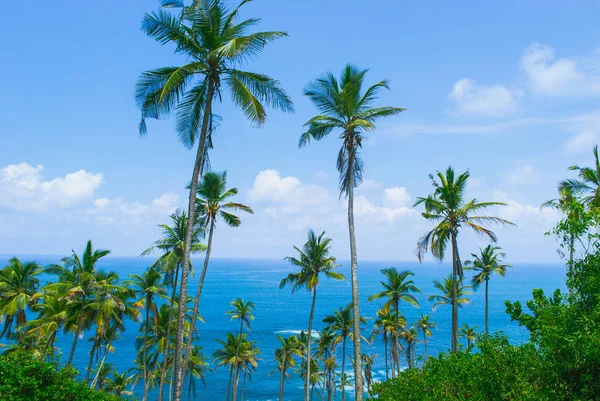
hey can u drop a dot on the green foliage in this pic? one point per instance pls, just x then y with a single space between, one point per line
500 371
25 378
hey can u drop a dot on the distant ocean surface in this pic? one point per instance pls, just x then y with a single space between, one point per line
280 312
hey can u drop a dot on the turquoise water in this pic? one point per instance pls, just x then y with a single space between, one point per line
280 312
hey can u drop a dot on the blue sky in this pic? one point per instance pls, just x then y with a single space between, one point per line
508 89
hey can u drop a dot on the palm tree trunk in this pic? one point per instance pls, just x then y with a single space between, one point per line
396 333
455 268
425 341
91 361
229 383
101 365
236 379
197 300
77 331
178 365
486 307
281 383
386 354
343 366
354 278
308 356
145 397
244 385
163 368
49 345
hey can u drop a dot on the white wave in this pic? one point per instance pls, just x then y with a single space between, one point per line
314 334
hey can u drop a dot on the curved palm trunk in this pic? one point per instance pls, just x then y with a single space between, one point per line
455 267
343 367
358 385
425 342
487 281
308 356
163 368
281 383
197 300
236 380
386 354
95 381
91 361
77 331
178 365
49 345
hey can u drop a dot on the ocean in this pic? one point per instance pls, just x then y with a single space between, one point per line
278 311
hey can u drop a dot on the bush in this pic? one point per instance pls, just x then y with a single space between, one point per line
25 378
500 371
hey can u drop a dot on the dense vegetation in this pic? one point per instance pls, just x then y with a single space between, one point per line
562 359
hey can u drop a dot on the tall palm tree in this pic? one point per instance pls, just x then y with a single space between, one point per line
345 107
410 336
588 184
242 311
447 207
486 264
196 369
18 286
172 245
327 342
148 287
313 259
78 280
468 333
341 323
398 287
425 324
214 204
284 356
447 291
214 44
368 361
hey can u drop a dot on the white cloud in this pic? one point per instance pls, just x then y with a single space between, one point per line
486 100
396 197
524 175
109 211
22 187
582 141
396 204
166 204
560 77
526 216
270 187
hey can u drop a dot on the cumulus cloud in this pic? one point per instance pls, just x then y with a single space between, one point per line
524 175
548 75
270 187
22 187
486 100
526 216
108 211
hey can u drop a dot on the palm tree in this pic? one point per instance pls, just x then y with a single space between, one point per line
236 352
18 286
172 245
209 36
588 184
486 264
425 324
345 107
368 361
327 341
147 286
385 324
196 369
313 260
447 207
468 333
119 383
242 311
78 280
284 355
398 287
341 322
446 289
52 315
410 336
213 204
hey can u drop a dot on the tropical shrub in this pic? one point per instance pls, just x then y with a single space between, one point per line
26 378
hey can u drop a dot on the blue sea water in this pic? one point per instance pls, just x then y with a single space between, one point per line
280 312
